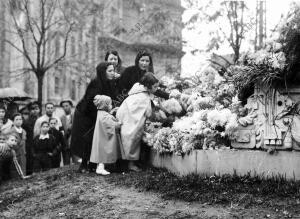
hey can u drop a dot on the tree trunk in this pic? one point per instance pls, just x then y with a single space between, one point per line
236 55
40 78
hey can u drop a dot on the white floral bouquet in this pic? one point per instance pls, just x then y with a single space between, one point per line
161 142
171 106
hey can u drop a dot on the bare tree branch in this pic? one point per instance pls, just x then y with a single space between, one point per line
27 13
21 37
64 52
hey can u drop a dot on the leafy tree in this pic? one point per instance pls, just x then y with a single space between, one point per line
289 37
226 21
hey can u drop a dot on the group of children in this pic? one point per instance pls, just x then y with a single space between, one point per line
12 150
46 148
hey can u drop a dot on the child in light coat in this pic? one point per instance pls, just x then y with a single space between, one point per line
105 147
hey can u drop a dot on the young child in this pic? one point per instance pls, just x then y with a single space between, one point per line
59 140
20 147
8 156
133 112
105 147
44 148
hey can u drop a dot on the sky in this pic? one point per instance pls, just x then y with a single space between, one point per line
192 63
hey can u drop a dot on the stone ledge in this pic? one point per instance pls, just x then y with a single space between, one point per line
209 162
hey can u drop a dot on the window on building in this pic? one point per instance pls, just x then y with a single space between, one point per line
87 51
80 44
73 89
114 17
57 47
56 85
73 46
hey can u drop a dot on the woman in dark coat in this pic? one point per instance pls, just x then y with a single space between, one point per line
86 112
133 74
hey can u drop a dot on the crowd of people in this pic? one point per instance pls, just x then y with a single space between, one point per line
104 131
31 142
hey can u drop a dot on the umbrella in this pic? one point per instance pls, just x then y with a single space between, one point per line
13 94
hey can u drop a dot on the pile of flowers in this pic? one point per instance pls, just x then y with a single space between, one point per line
198 121
204 112
266 67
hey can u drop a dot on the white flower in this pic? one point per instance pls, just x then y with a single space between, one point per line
171 106
183 124
277 46
187 146
175 94
207 131
279 60
167 81
232 125
202 103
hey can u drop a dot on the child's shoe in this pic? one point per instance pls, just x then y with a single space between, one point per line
100 170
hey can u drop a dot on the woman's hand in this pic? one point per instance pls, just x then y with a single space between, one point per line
114 110
116 76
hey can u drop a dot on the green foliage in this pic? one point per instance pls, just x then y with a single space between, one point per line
244 77
290 39
229 18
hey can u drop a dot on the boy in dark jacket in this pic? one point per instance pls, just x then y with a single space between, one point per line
44 149
59 141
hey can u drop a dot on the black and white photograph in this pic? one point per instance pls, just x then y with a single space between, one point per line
150 109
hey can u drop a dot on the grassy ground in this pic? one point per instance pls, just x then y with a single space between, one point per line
153 193
224 189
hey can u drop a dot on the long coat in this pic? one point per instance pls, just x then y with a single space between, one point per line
85 118
105 147
132 75
28 126
132 114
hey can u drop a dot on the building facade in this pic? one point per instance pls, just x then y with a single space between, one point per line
124 25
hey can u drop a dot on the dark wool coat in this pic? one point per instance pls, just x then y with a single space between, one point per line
86 113
60 143
132 75
28 126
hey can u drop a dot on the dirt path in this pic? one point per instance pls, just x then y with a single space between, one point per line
66 194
